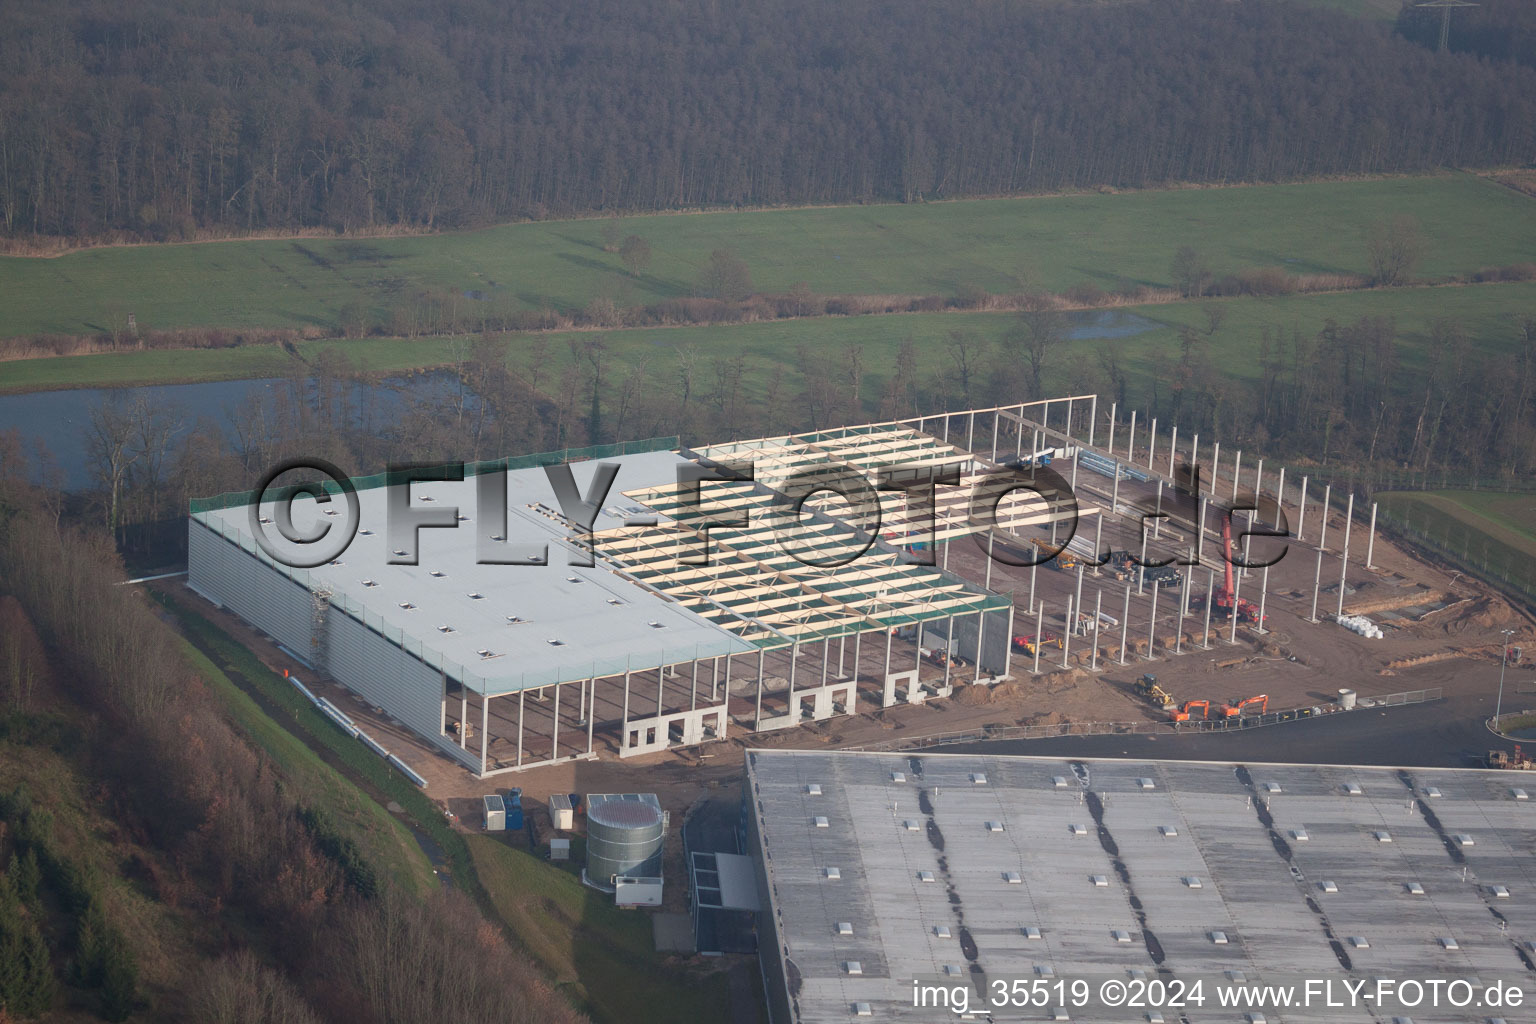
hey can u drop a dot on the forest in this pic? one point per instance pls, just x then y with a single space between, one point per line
171 119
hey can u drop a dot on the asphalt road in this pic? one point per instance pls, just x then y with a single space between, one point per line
1448 733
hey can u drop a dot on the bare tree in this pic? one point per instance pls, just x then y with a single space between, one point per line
1040 329
635 251
1190 274
110 442
1393 247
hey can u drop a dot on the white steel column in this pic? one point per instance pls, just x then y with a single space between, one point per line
1263 599
1152 443
1130 443
1173 449
1093 417
1066 634
485 731
554 745
1098 603
1237 472
1370 547
1322 540
1301 517
1210 599
1317 582
1125 622
521 700
1344 553
1039 634
1215 465
1152 625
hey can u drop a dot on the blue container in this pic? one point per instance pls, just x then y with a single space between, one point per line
514 819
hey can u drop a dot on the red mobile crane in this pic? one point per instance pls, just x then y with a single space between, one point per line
1222 600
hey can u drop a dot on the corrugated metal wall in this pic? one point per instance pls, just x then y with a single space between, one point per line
257 593
382 674
355 656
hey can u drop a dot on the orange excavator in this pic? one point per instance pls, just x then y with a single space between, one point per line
1184 713
1027 642
1243 707
1222 600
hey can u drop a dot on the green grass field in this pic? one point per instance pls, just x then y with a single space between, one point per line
1491 313
935 248
1491 530
602 957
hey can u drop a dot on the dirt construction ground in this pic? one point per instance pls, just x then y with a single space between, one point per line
1442 629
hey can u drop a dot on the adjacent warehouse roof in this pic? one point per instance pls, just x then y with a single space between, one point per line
972 869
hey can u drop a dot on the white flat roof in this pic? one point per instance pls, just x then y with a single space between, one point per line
604 622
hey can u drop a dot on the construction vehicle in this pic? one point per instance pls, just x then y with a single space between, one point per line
1241 708
1147 687
1063 559
1514 762
1222 600
1184 713
1026 643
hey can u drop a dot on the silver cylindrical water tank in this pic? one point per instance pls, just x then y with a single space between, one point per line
623 838
1346 699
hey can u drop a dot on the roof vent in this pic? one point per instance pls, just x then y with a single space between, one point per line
555 643
853 967
1168 830
1352 789
832 874
1519 794
1499 892
925 876
813 789
574 579
400 552
1328 885
1078 830
821 822
370 583
941 930
994 826
1146 783
1462 839
366 533
898 776
953 969
1447 942
912 826
1273 787
1218 937
475 595
1099 881
1192 881
337 561
845 927
862 1010
1359 942
1382 835
1030 931
484 653
407 606
656 625
1120 935
614 601
978 778
1432 791
445 628
1013 878
1059 781
1300 835
437 574
513 620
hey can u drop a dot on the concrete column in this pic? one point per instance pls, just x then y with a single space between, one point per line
485 733
1173 449
1039 634
1066 634
1008 643
1210 595
1322 540
1098 604
1125 622
714 676
1157 524
1098 540
1370 547
1237 472
554 744
1258 481
1110 445
981 630
991 539
1093 417
949 647
997 417
1152 443
757 721
1344 552
521 694
727 677
887 674
1018 446
463 717
1114 495
1200 534
1317 583
1079 601
693 681
1130 443
1194 460
1215 465
1263 599
826 653
624 722
660 684
1178 636
1237 587
794 663
1141 569
1033 566
590 716
1152 626
1301 517
858 638
1280 495
970 434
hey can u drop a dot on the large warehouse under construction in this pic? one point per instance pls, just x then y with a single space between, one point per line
804 577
